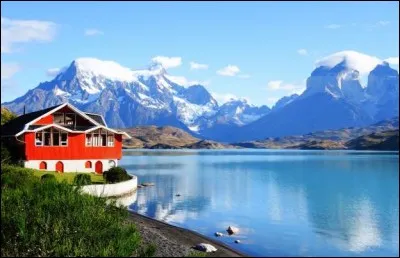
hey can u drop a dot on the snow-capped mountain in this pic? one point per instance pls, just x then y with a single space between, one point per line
128 97
284 101
334 98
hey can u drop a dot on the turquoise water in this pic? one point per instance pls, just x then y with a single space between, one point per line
285 203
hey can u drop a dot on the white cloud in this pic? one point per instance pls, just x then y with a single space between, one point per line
382 23
223 98
230 70
280 85
167 62
197 66
184 81
93 32
393 60
302 52
52 72
8 70
244 76
355 60
333 26
23 31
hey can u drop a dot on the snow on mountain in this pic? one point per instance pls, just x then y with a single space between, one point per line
284 101
126 97
354 60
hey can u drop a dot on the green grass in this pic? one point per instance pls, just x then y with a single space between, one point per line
52 218
195 253
69 177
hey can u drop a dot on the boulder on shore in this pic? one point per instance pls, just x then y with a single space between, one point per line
232 230
205 248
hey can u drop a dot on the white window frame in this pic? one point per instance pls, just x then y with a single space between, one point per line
61 143
110 143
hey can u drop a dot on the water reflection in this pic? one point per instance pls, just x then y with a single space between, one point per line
295 203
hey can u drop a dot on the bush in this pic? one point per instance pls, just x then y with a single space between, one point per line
82 179
53 219
47 177
115 175
5 155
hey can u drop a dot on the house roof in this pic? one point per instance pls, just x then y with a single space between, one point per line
16 125
98 118
25 122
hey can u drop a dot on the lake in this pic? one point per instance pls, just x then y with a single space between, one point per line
285 202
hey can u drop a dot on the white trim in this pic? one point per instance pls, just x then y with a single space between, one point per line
70 165
68 130
60 107
108 129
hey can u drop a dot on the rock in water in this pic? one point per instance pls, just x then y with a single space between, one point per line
177 195
218 234
148 184
232 230
237 241
205 248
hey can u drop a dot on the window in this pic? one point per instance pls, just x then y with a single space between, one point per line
96 139
110 140
88 164
64 139
47 137
59 118
111 163
88 140
70 119
100 137
43 165
56 137
104 139
51 137
38 139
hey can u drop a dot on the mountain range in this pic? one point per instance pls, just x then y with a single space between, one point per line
334 98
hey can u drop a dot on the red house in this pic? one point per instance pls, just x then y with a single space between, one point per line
65 139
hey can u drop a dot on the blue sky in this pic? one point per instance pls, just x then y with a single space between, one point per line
265 43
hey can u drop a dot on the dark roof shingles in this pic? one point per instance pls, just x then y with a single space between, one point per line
97 118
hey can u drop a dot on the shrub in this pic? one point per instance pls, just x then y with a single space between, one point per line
115 175
82 179
47 177
5 155
52 219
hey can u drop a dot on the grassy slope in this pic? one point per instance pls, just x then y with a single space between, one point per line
69 177
51 218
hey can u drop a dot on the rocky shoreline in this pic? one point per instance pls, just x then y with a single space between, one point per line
172 241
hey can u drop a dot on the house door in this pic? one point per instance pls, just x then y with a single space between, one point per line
60 167
99 167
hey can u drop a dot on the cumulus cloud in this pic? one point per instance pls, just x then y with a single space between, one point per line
302 52
23 31
167 62
355 60
197 66
393 60
8 70
93 32
333 26
230 70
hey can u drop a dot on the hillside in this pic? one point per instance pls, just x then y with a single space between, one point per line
158 137
322 138
387 140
